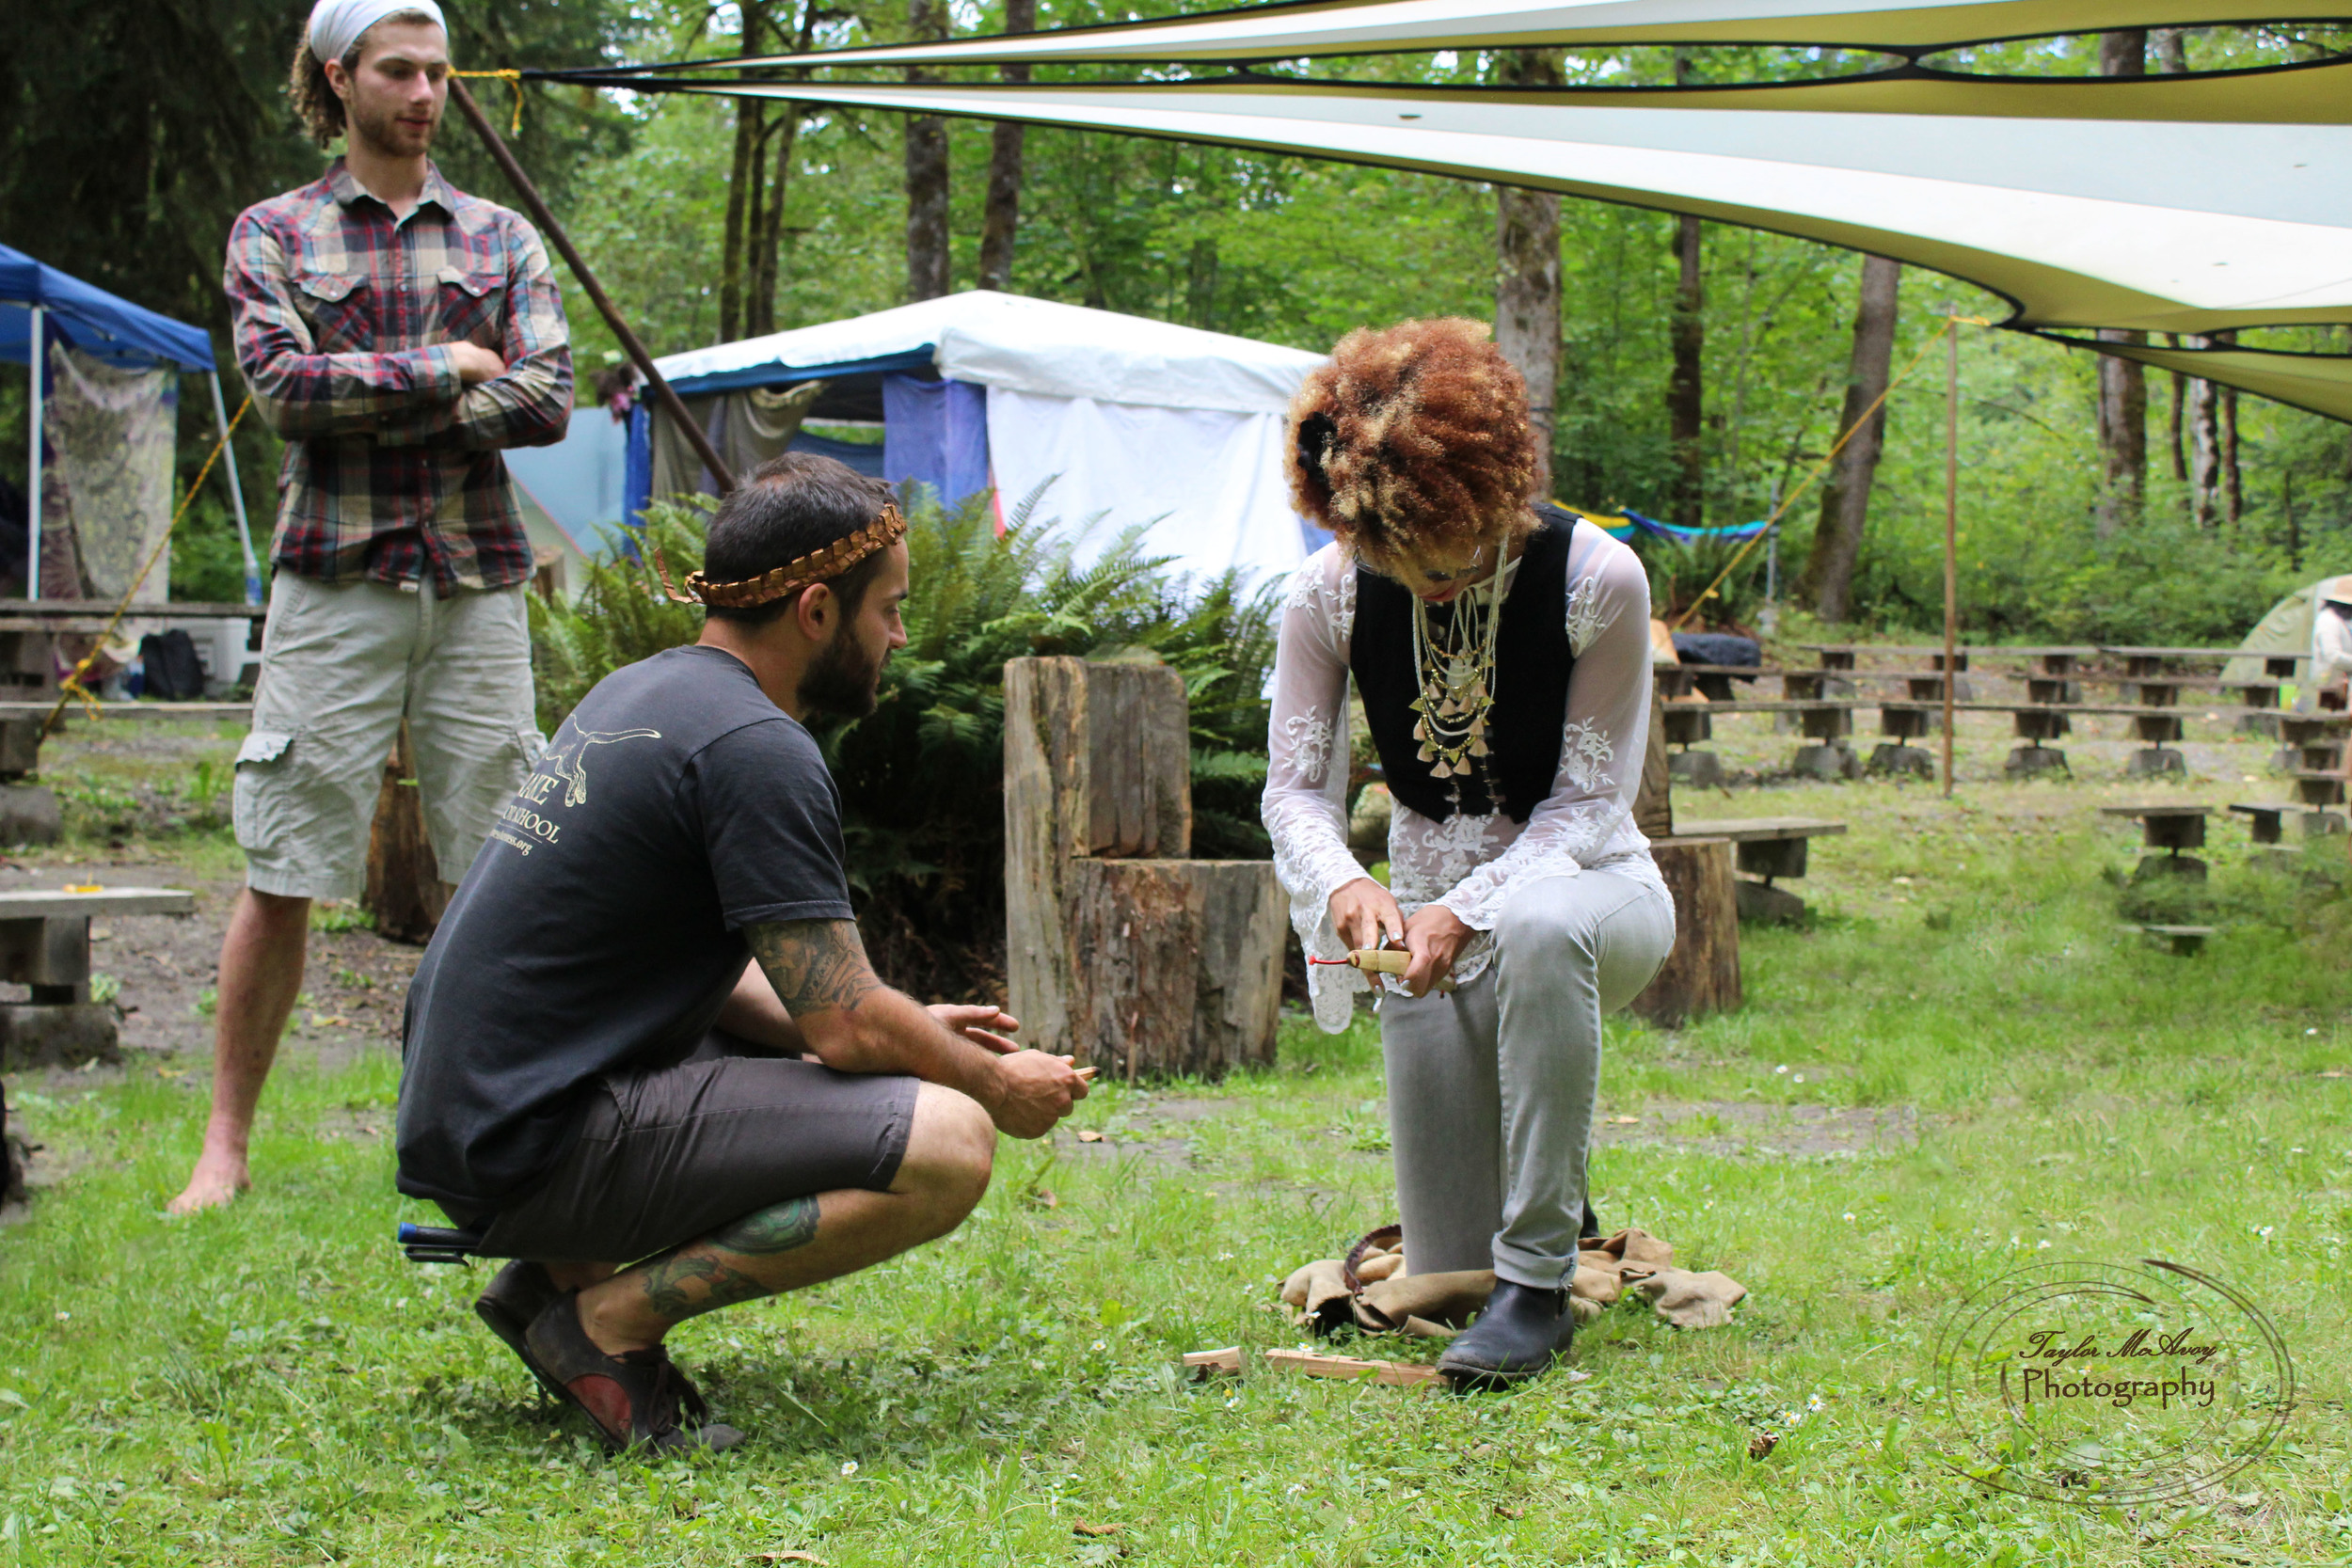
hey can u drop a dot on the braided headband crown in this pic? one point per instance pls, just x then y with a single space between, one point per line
783 581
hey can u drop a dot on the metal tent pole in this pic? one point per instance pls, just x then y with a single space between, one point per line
32 500
236 492
664 396
1951 540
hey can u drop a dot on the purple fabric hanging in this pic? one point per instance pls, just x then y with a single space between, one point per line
935 432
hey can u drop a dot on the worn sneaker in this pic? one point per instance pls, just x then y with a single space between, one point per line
516 1294
636 1397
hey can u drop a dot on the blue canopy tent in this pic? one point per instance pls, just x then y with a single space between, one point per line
41 305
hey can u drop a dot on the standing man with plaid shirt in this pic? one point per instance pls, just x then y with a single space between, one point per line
397 333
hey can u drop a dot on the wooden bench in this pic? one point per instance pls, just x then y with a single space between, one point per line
2266 821
1767 849
44 944
2171 828
2185 941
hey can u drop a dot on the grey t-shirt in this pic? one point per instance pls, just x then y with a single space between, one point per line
600 928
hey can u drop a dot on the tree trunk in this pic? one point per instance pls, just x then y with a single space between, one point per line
2176 426
761 310
1200 279
2204 448
1828 581
742 173
404 891
1000 221
2233 483
1702 974
926 171
1116 948
1685 397
2122 385
2122 436
1527 268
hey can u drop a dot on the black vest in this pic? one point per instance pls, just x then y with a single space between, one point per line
1530 685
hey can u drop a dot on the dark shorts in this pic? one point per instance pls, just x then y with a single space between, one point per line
667 1155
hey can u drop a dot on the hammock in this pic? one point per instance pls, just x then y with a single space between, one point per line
1626 522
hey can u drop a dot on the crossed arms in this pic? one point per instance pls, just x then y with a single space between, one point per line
833 1006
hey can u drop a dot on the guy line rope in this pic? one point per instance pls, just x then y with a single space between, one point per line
72 687
1822 466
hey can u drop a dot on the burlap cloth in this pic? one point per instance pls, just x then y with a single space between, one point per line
1369 1289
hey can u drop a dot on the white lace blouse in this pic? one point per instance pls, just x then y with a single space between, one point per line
1469 863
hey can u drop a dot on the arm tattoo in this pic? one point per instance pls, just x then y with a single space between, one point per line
701 1276
814 964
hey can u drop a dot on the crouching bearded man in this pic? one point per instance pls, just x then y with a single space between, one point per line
647 1033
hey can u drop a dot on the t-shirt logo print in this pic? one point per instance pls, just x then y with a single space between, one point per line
568 760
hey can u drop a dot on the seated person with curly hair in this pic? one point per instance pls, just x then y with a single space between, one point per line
1501 651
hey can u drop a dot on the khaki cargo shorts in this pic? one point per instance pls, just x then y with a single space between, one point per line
342 664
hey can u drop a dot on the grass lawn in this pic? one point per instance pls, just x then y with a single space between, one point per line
1960 1067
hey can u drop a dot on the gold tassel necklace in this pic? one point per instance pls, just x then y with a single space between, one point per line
1455 667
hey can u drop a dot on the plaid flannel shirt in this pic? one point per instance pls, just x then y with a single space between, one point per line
344 318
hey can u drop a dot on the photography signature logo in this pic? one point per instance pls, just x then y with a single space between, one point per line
2107 1384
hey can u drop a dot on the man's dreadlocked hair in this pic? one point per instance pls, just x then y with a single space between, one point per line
314 95
1414 440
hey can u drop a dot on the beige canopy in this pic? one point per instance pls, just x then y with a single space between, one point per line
2183 204
1403 26
2083 224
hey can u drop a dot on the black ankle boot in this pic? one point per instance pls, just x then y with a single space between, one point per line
1516 1337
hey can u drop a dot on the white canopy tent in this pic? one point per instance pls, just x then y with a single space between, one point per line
1131 420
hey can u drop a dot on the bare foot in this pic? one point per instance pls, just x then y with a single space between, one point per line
216 1182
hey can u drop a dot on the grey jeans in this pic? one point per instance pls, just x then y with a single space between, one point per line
1491 1088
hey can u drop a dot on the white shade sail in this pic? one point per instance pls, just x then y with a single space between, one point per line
1405 27
2145 226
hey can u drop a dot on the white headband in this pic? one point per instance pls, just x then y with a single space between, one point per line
335 25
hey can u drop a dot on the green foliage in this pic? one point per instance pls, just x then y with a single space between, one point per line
922 778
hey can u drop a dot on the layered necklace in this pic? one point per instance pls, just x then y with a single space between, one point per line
1454 665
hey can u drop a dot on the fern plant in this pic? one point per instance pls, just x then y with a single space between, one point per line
922 777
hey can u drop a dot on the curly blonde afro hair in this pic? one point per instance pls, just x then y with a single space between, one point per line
1413 442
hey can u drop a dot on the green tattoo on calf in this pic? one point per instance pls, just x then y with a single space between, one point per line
787 1224
698 1277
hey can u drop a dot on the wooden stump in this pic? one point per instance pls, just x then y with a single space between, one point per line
405 894
1653 804
1119 950
13 1153
1702 974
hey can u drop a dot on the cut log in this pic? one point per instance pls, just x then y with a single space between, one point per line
1702 974
1119 950
1653 805
404 891
14 1152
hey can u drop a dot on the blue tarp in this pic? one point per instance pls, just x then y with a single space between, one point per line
127 336
935 432
1627 523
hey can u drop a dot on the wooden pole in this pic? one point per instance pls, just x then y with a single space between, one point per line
1951 539
32 461
536 205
